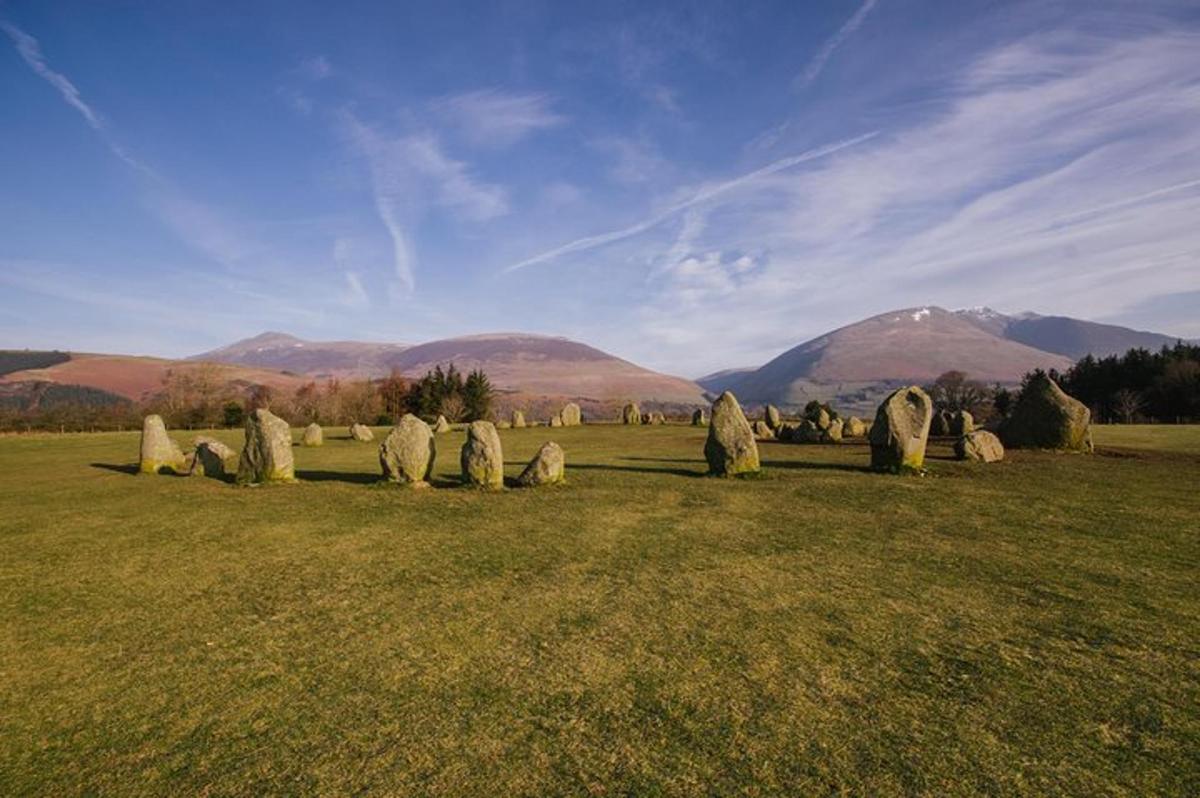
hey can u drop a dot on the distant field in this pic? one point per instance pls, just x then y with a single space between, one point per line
1026 628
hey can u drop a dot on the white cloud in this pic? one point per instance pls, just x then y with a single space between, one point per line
495 118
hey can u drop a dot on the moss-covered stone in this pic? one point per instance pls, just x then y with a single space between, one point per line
313 435
482 458
1045 417
407 454
546 468
631 414
730 448
979 445
267 453
571 415
157 451
901 431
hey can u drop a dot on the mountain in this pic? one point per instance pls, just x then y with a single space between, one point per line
855 364
1063 335
720 380
275 350
138 378
533 364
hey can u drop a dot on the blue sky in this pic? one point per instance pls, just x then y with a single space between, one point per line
692 186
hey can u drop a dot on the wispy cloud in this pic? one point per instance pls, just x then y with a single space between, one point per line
408 174
495 118
817 63
703 195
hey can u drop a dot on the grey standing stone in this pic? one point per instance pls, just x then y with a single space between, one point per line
157 450
267 454
408 452
730 449
482 459
546 468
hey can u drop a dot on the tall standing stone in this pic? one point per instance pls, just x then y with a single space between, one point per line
1047 418
631 414
901 431
571 415
361 433
771 417
699 419
730 448
546 467
961 423
518 419
157 450
481 458
267 455
313 435
408 452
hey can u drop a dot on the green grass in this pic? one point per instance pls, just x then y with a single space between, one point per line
1025 628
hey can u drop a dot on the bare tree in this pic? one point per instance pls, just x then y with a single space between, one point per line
954 391
1127 404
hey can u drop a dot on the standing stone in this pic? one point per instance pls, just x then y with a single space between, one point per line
699 419
571 415
631 414
503 425
853 428
786 432
807 432
771 417
207 462
214 445
158 451
361 433
518 419
1047 418
901 430
834 433
546 467
730 448
267 455
555 421
441 426
408 452
939 425
962 423
313 435
657 418
762 431
979 445
482 459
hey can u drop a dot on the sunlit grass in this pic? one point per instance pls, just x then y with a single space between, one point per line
1024 628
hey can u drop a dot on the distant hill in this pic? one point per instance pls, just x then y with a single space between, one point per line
720 380
533 364
21 359
856 364
139 378
275 350
1066 336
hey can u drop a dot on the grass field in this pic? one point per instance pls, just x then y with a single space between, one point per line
1025 628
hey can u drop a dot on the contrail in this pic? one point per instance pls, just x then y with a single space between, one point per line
818 61
591 242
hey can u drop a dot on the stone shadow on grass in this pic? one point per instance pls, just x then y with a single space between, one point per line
800 465
130 469
698 460
352 477
679 472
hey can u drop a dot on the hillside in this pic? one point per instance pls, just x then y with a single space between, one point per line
858 362
138 378
343 359
533 364
1066 336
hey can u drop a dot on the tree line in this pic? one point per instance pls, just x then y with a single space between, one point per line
201 396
